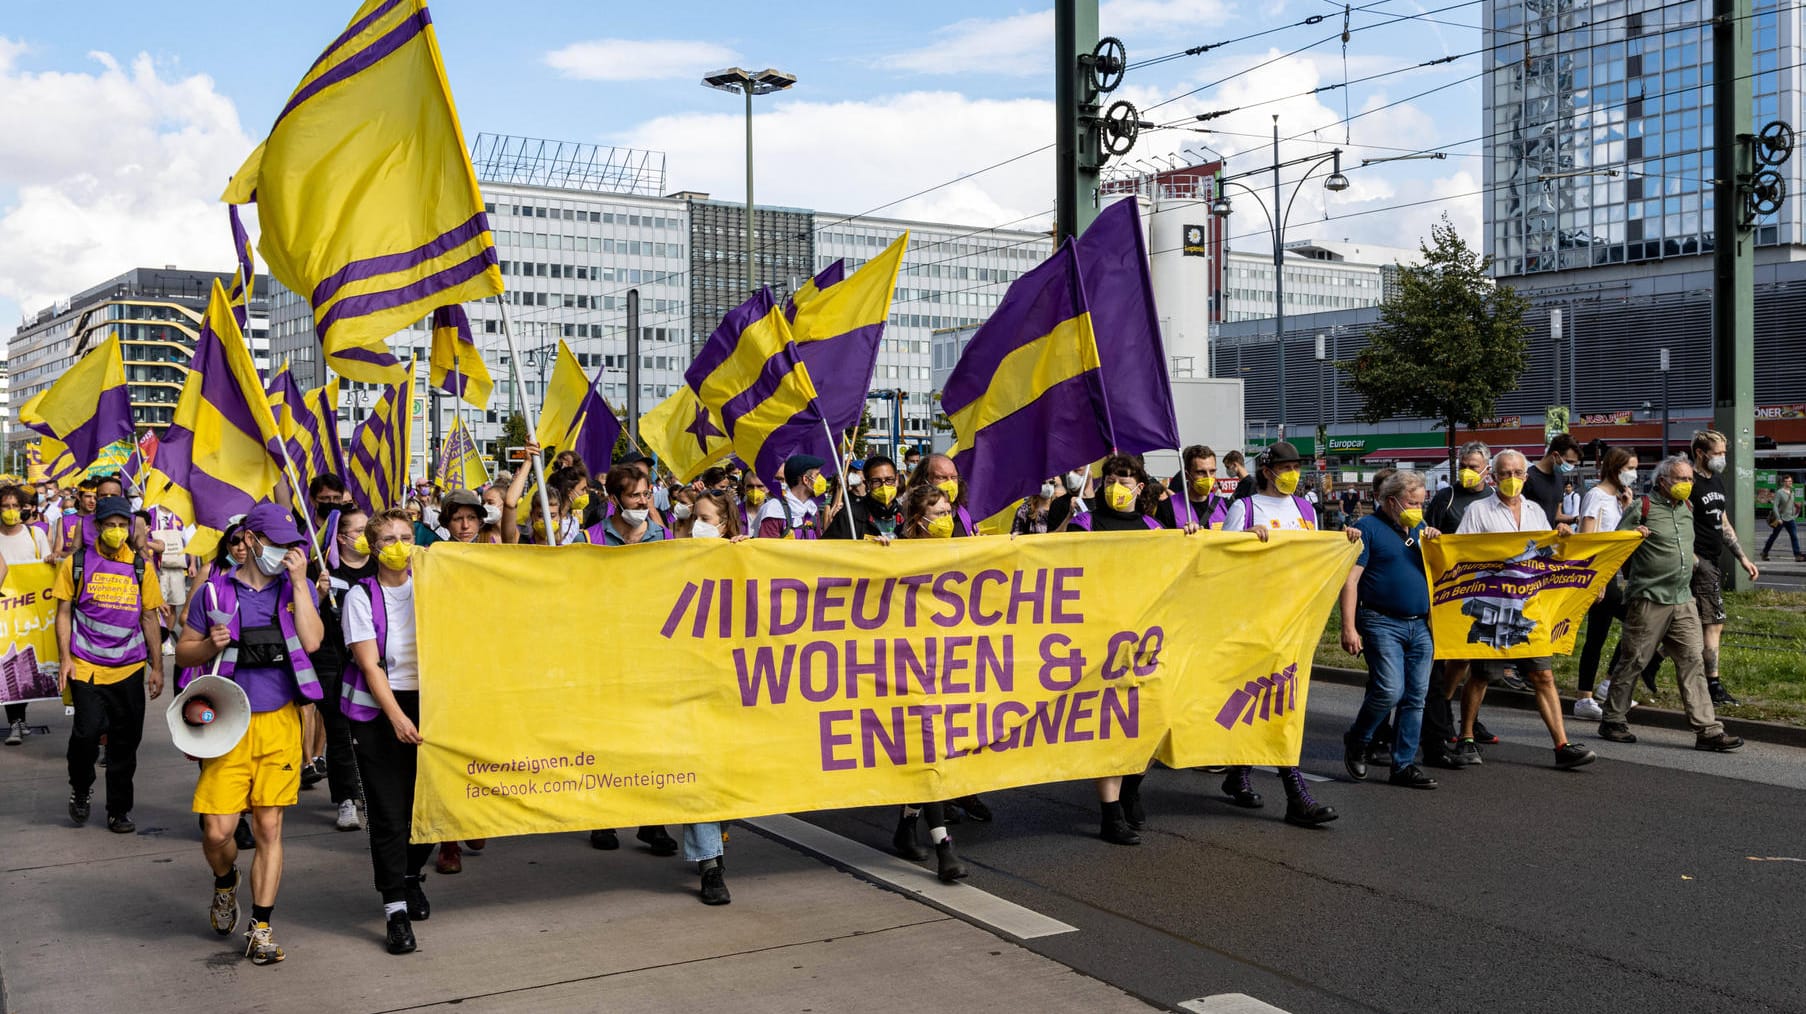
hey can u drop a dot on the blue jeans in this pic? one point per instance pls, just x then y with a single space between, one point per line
1793 536
1398 654
702 841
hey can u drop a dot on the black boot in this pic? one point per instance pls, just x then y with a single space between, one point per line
714 882
1132 813
1719 694
1301 809
947 864
904 840
1114 829
1238 787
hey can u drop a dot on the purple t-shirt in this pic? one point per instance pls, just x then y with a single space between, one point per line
268 688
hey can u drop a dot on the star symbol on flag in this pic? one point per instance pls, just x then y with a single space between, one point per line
702 430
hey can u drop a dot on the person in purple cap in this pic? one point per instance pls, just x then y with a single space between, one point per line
255 624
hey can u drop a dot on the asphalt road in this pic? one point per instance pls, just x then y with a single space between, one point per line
1657 879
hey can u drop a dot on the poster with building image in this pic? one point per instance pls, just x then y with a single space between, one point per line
28 655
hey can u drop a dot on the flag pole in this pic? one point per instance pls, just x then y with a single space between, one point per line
840 493
458 400
520 390
300 495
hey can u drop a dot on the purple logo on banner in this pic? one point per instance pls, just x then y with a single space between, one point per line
1269 697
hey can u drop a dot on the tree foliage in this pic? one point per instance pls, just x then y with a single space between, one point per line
1449 341
514 434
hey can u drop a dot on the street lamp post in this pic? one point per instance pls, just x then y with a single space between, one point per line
749 83
1664 368
1276 222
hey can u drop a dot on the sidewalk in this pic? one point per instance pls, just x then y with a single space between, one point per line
94 921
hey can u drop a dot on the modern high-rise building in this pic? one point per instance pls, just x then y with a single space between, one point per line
579 226
156 312
1598 120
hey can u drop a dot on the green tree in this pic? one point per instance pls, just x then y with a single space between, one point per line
514 434
1449 341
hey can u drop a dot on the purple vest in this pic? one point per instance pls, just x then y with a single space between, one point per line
1184 512
594 534
965 521
107 633
225 596
355 698
71 523
1082 522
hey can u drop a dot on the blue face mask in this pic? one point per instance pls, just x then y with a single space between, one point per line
1564 467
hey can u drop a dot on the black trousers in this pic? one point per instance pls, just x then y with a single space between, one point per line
341 759
117 710
1438 711
15 713
387 765
1592 645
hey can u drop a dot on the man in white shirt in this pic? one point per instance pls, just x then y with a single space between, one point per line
1507 510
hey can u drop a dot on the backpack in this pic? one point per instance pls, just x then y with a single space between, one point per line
79 564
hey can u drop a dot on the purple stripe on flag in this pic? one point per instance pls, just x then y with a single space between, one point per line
329 454
214 499
356 29
366 58
841 368
802 433
772 376
726 336
374 302
386 264
1113 262
111 422
595 444
220 389
1041 300
1056 433
830 276
367 354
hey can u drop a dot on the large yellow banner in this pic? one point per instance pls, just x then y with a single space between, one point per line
1517 595
28 656
584 687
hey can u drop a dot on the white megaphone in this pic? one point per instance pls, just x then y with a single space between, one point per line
218 719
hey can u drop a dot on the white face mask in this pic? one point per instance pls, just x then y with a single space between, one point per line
271 560
636 517
680 512
1715 463
1075 481
704 530
492 515
1049 491
430 515
1627 478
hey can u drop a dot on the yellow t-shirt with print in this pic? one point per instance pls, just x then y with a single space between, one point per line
150 592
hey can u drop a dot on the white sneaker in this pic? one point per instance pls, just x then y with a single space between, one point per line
1589 709
348 818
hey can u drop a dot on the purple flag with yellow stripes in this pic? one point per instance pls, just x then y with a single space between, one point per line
366 197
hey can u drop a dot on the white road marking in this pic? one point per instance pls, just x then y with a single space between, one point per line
1229 1003
979 906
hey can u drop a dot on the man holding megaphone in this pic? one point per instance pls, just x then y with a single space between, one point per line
254 625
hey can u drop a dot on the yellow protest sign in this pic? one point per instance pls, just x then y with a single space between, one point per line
28 655
583 687
1517 595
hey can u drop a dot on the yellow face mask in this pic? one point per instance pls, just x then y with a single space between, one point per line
395 555
1680 491
820 485
1411 517
884 495
940 528
1510 486
113 538
1470 479
1119 497
10 517
361 545
1202 485
1286 482
579 504
949 487
755 496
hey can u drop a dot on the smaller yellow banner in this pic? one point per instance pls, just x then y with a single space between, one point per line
1517 594
28 655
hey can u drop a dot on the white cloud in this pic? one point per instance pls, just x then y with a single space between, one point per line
1022 43
639 59
851 156
109 170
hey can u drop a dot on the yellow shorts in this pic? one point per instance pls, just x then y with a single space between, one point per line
264 769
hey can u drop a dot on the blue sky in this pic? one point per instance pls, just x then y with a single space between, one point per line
119 122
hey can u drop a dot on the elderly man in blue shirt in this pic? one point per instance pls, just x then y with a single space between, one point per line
1386 619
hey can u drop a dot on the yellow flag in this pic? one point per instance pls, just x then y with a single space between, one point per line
563 402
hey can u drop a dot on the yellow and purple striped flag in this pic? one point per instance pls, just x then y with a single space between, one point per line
456 367
837 324
380 448
460 463
1027 397
366 199
239 295
218 458
88 409
296 424
328 451
749 374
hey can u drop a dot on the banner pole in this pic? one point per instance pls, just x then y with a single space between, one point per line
520 388
458 401
300 495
